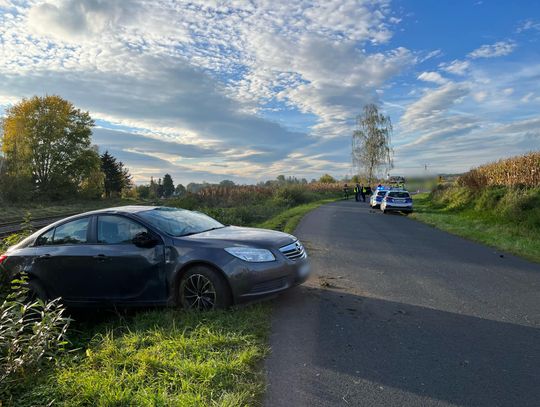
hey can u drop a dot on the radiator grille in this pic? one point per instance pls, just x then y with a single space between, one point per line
293 251
271 285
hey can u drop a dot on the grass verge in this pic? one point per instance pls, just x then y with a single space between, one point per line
157 358
494 226
288 220
160 357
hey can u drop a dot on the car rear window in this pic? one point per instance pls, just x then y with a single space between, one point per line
73 232
399 194
45 239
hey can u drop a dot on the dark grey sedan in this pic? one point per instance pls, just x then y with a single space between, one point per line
145 255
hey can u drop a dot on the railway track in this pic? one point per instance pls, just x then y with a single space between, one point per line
9 228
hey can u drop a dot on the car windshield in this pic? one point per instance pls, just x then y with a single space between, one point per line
399 194
179 222
381 193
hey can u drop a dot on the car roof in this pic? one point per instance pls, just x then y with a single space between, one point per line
114 210
123 209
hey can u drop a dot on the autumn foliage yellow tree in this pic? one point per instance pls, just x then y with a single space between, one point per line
47 145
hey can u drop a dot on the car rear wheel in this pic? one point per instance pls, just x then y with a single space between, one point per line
203 289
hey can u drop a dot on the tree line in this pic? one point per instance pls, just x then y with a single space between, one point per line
47 153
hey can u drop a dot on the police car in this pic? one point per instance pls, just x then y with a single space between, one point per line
377 196
397 200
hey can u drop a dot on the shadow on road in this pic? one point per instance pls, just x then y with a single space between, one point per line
355 350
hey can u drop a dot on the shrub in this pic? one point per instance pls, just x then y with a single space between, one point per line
188 201
31 332
474 180
450 197
490 197
292 195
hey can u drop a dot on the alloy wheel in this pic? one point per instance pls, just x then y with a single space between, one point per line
199 293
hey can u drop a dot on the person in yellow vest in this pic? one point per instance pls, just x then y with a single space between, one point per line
363 191
357 193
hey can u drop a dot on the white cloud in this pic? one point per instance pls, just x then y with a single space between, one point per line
528 25
422 113
498 49
508 91
480 96
432 77
213 88
456 67
527 98
201 72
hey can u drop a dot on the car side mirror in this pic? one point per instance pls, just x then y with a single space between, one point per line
144 239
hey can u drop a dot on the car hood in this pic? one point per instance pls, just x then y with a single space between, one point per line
245 237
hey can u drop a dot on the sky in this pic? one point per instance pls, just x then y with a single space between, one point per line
209 90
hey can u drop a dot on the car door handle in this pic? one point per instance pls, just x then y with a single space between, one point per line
100 257
44 257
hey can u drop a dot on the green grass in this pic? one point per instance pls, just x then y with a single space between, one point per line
495 217
158 358
288 220
161 357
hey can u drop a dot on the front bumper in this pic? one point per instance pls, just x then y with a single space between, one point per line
249 281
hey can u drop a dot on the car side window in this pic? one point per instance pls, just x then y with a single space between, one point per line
117 229
45 239
73 232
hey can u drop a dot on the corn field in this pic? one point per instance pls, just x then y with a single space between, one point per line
520 171
243 193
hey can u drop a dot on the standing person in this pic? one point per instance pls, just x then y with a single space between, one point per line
346 191
363 192
357 192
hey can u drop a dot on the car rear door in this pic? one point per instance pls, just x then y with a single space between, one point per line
62 261
122 271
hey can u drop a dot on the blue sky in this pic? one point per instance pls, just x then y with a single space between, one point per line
247 90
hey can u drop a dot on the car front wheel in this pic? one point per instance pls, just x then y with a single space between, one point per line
203 289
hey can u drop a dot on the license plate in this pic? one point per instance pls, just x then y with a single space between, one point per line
304 270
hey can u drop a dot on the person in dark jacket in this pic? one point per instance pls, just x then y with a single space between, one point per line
346 191
363 193
369 191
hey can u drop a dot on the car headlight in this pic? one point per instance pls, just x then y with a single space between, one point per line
251 254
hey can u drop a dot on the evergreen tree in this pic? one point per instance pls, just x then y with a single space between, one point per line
153 189
168 186
117 177
159 189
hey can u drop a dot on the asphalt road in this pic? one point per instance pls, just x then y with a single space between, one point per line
401 314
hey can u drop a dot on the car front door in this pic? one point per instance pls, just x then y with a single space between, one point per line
123 271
